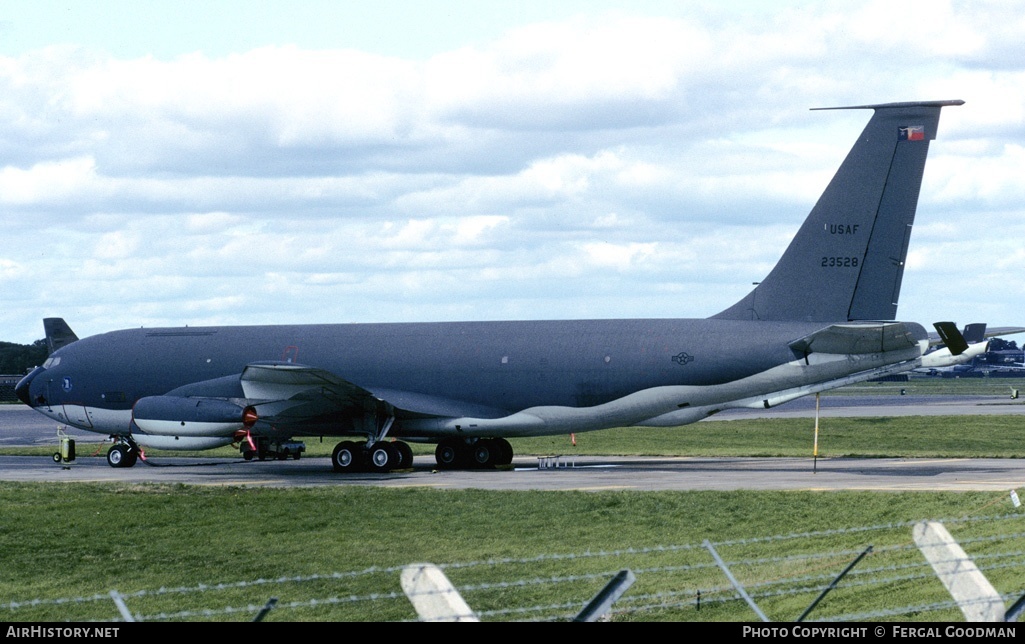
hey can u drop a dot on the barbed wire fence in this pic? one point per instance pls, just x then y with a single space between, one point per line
783 573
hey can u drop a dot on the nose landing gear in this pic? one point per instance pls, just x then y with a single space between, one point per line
123 453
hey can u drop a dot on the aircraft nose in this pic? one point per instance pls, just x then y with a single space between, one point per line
23 389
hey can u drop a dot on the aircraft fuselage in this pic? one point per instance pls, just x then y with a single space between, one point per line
482 370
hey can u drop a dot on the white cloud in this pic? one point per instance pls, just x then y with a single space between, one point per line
633 163
116 245
618 256
47 181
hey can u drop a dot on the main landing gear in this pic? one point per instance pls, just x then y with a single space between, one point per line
451 453
381 456
481 453
123 453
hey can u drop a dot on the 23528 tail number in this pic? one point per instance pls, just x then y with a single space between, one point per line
839 262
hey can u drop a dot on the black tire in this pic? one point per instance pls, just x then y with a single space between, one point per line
248 454
448 454
57 457
346 457
117 455
405 455
483 454
130 458
296 455
383 457
504 451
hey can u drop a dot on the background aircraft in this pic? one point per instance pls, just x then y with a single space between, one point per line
972 356
821 319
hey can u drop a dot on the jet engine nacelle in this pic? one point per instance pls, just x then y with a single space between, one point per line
193 416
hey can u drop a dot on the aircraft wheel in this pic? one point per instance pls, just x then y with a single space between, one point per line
56 457
405 455
117 455
448 454
504 451
383 457
131 456
248 454
346 457
484 453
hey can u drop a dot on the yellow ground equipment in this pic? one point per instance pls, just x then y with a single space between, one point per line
66 453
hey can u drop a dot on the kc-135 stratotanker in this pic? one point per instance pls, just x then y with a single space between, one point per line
823 318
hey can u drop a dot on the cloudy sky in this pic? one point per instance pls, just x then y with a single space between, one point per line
173 163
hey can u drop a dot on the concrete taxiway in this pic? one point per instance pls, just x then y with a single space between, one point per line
21 426
579 473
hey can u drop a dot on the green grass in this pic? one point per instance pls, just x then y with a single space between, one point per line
509 551
911 436
68 541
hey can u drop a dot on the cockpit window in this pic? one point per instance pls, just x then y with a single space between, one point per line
51 362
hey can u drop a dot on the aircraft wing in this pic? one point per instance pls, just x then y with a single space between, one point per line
282 381
294 395
1004 330
287 393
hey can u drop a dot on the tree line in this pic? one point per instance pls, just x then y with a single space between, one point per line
21 358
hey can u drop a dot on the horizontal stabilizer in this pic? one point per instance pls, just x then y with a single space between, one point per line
898 105
858 338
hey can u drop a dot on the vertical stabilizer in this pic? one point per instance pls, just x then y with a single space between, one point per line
58 333
847 260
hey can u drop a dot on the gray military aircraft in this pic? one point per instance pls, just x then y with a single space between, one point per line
823 318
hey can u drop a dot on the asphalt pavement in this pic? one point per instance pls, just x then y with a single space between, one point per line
20 425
